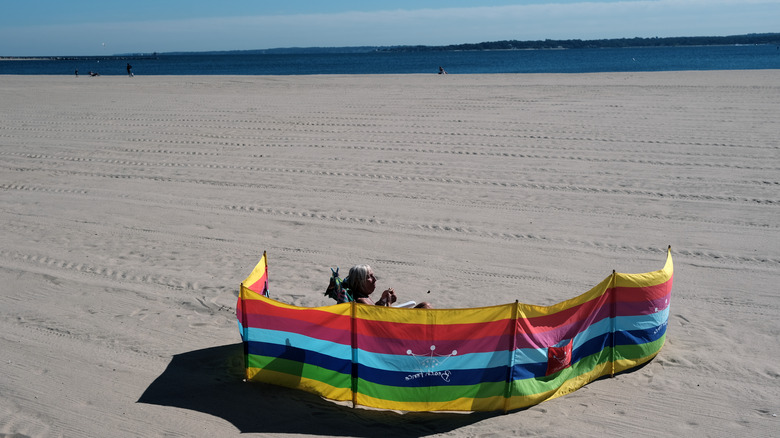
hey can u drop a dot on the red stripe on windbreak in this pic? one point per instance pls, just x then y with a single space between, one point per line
428 331
626 294
551 337
541 332
259 285
240 305
647 307
566 316
312 315
442 347
584 310
326 332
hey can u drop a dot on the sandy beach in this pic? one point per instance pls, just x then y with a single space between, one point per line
132 208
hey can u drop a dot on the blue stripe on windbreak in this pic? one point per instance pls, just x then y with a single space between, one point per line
639 337
590 347
622 323
430 378
529 370
642 322
627 337
300 355
409 363
340 351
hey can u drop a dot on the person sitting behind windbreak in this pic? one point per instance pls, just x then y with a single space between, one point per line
361 282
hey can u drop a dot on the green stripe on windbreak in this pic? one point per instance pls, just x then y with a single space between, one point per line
298 369
538 385
639 351
430 394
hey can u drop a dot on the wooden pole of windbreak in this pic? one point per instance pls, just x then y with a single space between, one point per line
245 333
354 370
513 344
613 320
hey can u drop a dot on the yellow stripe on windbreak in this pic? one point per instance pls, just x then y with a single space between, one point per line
287 380
531 311
650 278
434 316
248 294
336 309
258 272
494 403
627 364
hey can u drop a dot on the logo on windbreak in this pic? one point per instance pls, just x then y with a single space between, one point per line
430 365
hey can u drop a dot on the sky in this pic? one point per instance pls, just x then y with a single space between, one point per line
91 27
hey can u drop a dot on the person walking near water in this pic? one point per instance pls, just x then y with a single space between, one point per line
129 70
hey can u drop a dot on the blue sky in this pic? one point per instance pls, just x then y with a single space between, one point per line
90 27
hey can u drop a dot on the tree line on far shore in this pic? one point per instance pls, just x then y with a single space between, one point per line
749 39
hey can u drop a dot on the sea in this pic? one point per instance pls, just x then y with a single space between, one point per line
732 57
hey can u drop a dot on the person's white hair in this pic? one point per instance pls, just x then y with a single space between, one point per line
357 277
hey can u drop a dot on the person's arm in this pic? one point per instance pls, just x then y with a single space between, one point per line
388 298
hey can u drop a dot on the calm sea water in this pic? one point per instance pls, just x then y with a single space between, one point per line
521 61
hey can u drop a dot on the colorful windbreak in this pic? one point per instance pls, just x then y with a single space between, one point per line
477 359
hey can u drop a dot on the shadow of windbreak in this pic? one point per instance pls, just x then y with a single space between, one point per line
211 381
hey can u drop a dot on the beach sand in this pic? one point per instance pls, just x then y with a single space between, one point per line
132 208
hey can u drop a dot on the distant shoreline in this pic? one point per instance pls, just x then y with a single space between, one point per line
314 52
24 58
75 58
548 44
615 43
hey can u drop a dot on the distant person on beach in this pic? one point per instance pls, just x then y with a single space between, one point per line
361 283
77 72
441 71
129 70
